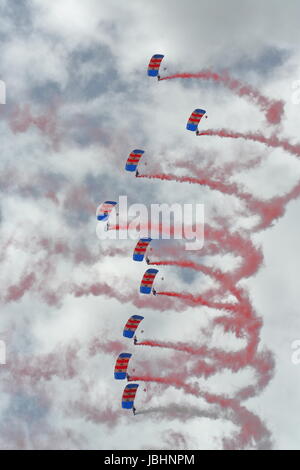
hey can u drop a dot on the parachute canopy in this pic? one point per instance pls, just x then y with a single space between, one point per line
133 160
154 65
195 118
140 249
147 281
121 366
131 326
129 395
105 209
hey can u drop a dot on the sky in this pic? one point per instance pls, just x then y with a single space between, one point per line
216 370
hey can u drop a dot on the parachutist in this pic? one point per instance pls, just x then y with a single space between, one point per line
147 281
154 64
128 377
133 160
158 77
134 410
135 340
197 132
147 260
153 291
136 173
194 120
131 326
129 396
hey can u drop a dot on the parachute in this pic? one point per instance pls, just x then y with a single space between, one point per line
147 281
154 65
140 249
121 366
105 209
133 160
195 118
129 395
131 326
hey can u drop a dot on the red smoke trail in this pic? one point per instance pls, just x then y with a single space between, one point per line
223 278
153 229
267 210
16 291
221 173
22 118
243 320
174 380
234 242
94 413
251 427
231 189
217 357
63 362
48 251
272 109
191 299
272 141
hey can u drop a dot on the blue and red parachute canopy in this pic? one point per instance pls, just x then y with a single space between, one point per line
104 210
121 366
131 325
154 65
133 159
140 249
195 118
129 395
147 281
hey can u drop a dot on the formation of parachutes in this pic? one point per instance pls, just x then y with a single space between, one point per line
139 253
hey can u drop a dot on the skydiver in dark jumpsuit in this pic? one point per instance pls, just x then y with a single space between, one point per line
134 410
147 260
137 173
153 291
135 340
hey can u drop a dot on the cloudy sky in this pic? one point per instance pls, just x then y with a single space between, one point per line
217 371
